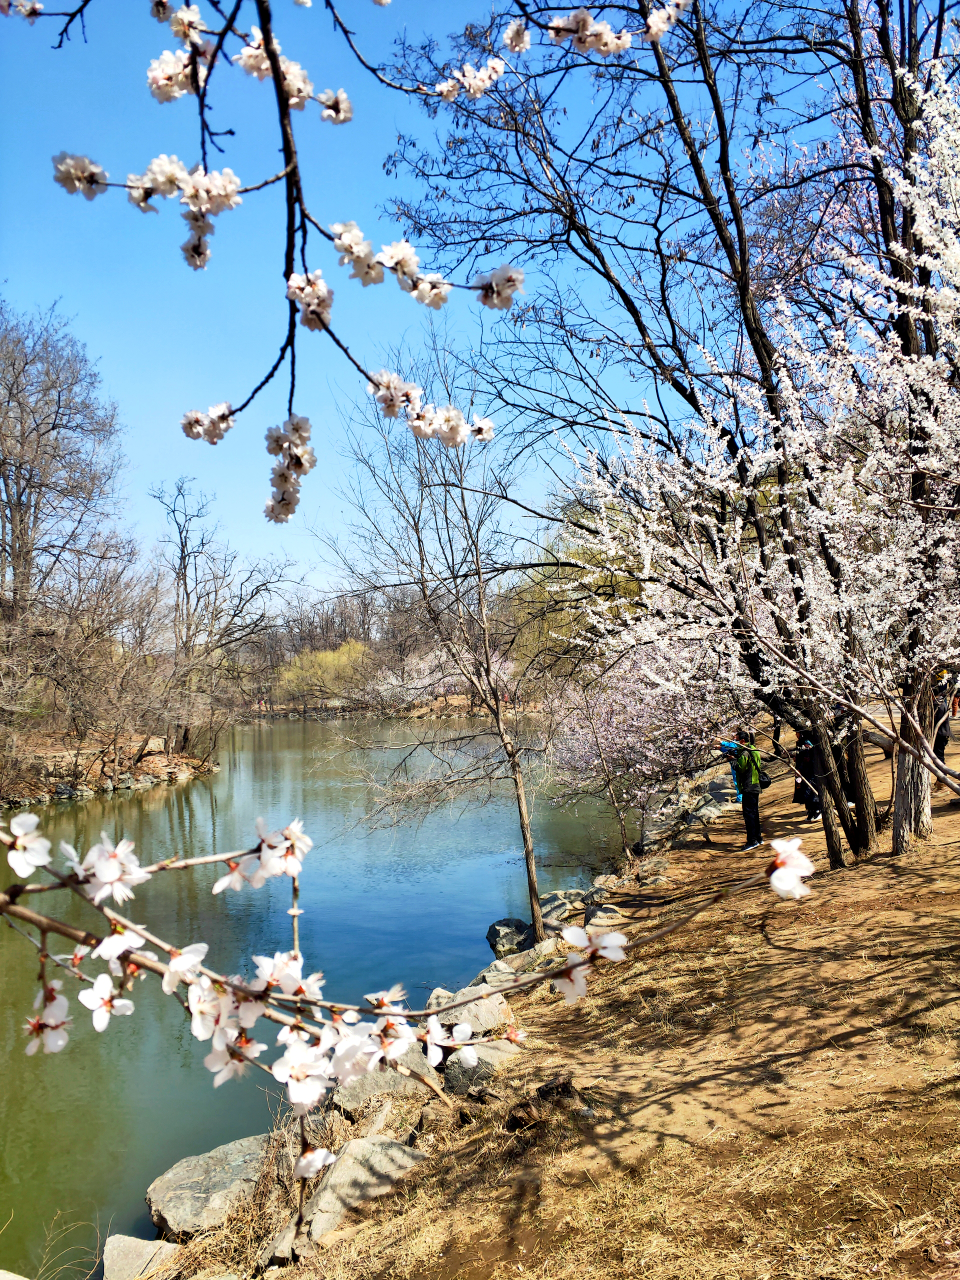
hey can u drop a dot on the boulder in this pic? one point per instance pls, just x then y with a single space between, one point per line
498 974
351 1097
280 1248
508 936
487 1010
366 1167
200 1192
561 904
602 916
492 1056
541 956
126 1258
600 894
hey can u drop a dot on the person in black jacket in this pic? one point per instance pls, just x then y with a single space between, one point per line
805 791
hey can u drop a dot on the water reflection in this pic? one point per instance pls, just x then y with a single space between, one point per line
85 1131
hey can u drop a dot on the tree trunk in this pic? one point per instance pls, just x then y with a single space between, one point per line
537 917
829 784
862 794
911 800
832 830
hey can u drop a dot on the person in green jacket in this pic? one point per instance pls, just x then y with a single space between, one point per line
747 765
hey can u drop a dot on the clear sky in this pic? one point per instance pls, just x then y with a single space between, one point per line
170 339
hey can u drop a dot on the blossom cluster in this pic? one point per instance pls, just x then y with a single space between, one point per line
290 445
448 424
211 426
473 82
204 194
400 258
278 853
253 59
313 296
588 36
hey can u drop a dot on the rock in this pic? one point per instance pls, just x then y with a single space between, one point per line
63 792
494 975
106 785
488 1010
351 1097
507 936
561 904
600 894
280 1248
435 1116
601 916
366 1167
492 1056
541 956
126 1258
608 881
199 1192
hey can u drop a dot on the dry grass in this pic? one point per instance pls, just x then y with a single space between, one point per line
771 1094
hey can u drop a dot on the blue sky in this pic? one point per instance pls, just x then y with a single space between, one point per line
169 339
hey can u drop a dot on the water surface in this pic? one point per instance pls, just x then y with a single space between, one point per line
84 1132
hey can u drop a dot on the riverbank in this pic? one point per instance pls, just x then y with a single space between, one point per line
47 770
771 1092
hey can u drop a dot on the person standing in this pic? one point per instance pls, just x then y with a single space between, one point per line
747 766
805 792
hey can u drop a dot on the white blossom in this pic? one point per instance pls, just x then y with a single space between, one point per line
482 429
306 1071
573 986
233 1058
431 290
170 76
211 426
423 422
29 9
437 1038
790 865
79 173
451 426
448 90
608 945
115 944
247 871
386 999
26 848
210 193
284 970
588 36
496 289
312 1159
48 1027
299 88
661 20
516 37
400 258
314 297
103 1002
111 871
337 107
252 58
298 430
187 24
183 965
393 395
355 250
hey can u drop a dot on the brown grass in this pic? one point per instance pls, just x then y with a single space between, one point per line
772 1093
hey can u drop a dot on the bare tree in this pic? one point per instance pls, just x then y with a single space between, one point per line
428 529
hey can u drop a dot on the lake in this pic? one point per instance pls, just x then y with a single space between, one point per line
85 1131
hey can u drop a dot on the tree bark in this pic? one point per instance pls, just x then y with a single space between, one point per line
829 785
528 857
862 794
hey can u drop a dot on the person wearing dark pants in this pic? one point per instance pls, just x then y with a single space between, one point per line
747 766
751 817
